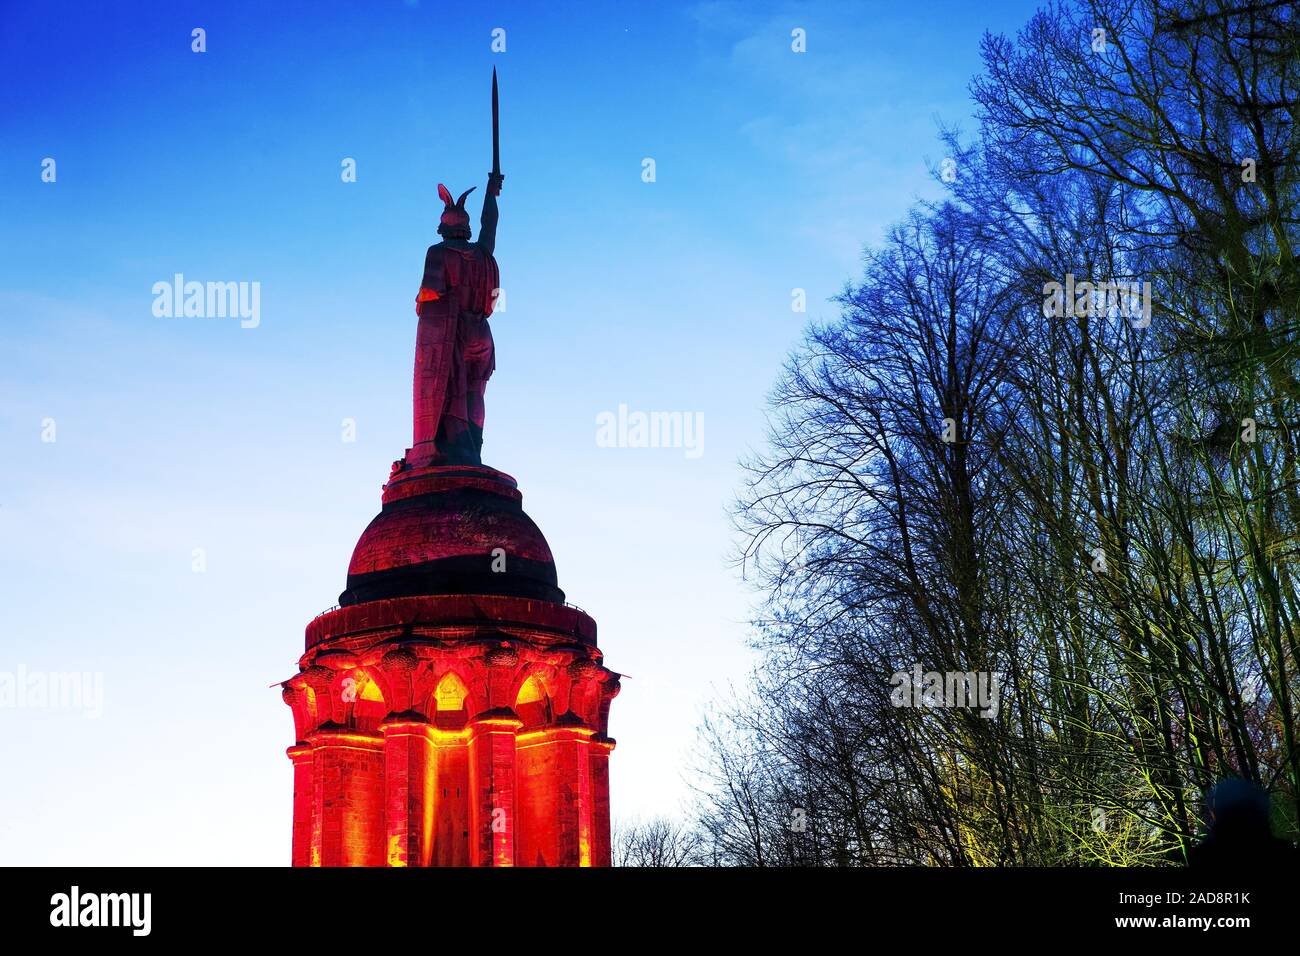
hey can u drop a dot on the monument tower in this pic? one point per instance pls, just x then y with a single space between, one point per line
453 709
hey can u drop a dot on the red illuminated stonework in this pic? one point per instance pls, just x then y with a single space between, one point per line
452 711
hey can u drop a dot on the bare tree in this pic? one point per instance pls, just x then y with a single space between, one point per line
658 841
1100 506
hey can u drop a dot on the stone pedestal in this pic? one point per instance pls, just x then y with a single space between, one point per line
453 710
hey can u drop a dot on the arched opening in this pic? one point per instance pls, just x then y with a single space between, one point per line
364 698
532 703
449 708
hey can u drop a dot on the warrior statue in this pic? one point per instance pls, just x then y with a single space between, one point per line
454 354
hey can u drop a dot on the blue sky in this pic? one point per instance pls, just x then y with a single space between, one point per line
773 169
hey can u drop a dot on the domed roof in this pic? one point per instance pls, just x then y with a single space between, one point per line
451 530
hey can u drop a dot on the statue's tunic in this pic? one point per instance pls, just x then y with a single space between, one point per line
454 355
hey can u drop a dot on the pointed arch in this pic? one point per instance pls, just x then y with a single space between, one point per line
450 694
363 697
532 703
449 707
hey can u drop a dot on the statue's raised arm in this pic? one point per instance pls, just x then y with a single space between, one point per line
487 224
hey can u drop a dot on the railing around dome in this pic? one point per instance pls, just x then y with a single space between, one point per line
569 604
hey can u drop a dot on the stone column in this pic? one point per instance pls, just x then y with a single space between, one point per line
348 798
598 759
556 790
303 792
493 817
410 778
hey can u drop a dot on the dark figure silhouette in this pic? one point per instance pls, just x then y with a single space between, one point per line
454 353
1238 834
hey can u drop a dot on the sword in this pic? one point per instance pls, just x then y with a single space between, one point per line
496 136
